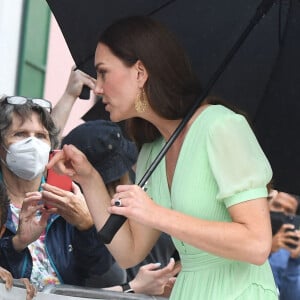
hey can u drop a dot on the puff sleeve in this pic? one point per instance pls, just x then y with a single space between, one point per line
238 163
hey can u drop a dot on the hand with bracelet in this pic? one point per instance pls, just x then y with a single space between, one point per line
151 280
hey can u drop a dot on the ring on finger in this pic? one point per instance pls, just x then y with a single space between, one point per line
118 202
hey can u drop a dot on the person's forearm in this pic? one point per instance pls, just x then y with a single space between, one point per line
98 200
219 238
61 111
116 288
18 244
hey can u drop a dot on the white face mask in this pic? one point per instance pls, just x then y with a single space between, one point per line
27 158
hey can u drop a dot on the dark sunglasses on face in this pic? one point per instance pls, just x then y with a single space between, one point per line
20 100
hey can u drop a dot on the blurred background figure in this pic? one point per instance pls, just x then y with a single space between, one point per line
285 254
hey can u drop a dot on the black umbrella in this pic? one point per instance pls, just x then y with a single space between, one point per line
207 30
277 119
82 21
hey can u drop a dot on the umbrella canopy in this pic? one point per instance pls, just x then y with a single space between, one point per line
82 21
277 119
207 30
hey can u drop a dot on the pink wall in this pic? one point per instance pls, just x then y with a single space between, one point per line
59 64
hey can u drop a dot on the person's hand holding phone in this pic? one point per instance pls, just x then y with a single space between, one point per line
295 251
284 237
59 180
73 163
70 205
293 234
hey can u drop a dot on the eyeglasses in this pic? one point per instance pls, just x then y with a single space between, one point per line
20 100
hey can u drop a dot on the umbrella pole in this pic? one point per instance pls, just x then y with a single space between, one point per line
114 222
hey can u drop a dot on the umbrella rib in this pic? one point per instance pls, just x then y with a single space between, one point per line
160 8
79 65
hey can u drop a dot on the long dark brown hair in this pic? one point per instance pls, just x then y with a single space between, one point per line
172 86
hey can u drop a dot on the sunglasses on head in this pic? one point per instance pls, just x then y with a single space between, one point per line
20 100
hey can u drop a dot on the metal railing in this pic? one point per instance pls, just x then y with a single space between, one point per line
70 292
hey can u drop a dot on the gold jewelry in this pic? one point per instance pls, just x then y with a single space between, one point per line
141 102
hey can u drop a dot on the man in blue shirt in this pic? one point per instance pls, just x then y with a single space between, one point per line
285 254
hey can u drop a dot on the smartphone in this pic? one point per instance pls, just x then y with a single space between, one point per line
295 220
59 180
277 220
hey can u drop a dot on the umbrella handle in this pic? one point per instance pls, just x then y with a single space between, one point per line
114 222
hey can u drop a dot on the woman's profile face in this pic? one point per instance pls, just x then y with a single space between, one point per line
118 84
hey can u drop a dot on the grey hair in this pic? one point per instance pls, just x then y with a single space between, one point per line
25 112
4 202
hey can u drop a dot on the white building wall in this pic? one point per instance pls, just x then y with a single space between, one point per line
10 23
59 60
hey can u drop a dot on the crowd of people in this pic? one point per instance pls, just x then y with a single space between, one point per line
29 246
199 230
32 230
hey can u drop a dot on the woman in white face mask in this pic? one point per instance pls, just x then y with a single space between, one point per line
27 249
27 135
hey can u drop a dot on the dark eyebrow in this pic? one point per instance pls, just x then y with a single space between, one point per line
98 64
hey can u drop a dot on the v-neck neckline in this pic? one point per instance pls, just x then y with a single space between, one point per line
179 158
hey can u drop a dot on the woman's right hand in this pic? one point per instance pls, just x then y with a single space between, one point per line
72 162
71 205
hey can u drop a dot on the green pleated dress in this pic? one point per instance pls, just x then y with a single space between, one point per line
220 164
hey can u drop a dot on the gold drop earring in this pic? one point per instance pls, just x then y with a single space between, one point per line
141 102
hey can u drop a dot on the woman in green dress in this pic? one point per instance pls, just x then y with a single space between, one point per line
208 193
